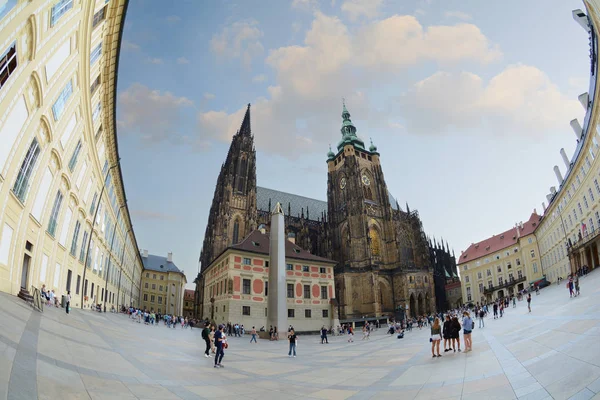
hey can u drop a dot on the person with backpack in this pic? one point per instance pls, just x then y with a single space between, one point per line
206 337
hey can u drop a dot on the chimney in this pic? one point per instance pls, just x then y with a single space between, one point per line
544 206
580 17
576 128
170 257
263 230
291 237
558 175
548 197
584 99
145 253
565 159
535 211
553 189
518 231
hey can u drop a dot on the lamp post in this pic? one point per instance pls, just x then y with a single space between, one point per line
562 221
87 253
112 241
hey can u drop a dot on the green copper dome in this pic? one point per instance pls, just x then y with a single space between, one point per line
348 131
372 147
330 154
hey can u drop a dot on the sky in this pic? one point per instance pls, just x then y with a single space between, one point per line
469 103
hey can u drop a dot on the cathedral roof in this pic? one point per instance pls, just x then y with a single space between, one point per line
499 242
258 242
313 207
297 203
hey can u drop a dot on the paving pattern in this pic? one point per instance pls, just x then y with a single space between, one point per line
553 352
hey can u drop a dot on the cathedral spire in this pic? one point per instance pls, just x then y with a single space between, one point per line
245 128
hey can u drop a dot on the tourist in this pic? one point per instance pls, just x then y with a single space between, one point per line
324 335
350 334
211 337
514 301
456 334
529 301
481 315
293 341
447 333
576 283
467 328
495 310
68 298
364 332
221 343
253 332
436 337
271 332
275 334
50 298
206 337
570 285
501 309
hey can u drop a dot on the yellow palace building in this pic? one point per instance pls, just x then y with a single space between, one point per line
64 221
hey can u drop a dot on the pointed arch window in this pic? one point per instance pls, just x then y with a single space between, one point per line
236 231
242 174
368 193
375 242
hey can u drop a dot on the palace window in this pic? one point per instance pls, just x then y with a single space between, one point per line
162 278
469 294
307 314
146 285
147 275
323 270
245 310
154 286
305 268
291 313
518 261
520 272
481 288
236 231
489 272
289 267
290 290
246 286
585 202
95 84
499 268
54 214
479 275
160 288
266 288
59 9
247 261
151 298
99 17
8 63
490 285
97 111
153 276
59 105
96 53
325 313
467 278
145 297
21 186
307 291
83 246
500 281
532 253
591 193
508 265
74 156
75 237
324 292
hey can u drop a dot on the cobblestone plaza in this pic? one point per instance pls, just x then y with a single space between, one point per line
551 353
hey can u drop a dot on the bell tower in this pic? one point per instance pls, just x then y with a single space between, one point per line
360 221
233 212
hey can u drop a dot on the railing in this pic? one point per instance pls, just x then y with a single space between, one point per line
37 303
504 285
588 237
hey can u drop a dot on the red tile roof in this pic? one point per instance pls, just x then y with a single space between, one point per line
499 242
188 294
258 242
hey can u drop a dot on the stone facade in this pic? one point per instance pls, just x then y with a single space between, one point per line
375 244
188 303
444 273
163 285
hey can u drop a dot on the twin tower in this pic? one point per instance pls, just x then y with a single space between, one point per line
383 266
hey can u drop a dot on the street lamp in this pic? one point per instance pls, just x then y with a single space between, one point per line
112 241
121 270
566 240
87 253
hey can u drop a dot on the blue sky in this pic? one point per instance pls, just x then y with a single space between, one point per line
469 103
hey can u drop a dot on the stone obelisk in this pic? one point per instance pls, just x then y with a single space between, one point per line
277 308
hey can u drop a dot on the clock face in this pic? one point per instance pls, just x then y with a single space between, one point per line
343 183
365 180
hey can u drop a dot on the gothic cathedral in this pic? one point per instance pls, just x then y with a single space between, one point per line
382 252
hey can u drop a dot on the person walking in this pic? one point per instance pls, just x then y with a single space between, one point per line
324 335
467 328
211 337
293 340
253 333
68 305
436 337
576 283
570 285
481 321
350 334
529 301
220 343
514 299
495 310
206 337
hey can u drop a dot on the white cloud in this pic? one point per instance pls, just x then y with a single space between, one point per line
153 60
183 60
259 78
306 5
519 99
354 9
208 96
152 114
458 14
129 46
173 18
240 39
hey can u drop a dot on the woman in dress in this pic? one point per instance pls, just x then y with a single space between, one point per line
436 337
